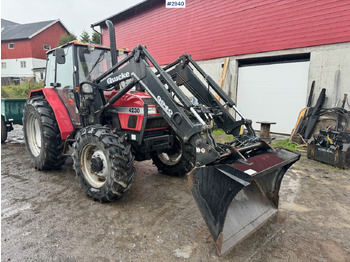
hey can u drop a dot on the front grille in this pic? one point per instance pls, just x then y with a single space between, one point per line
156 123
149 101
155 133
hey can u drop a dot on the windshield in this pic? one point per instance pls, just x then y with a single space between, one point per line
92 62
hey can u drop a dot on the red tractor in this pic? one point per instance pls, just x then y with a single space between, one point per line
107 107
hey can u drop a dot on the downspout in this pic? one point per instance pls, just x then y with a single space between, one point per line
93 28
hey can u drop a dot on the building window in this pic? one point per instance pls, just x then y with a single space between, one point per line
23 64
3 65
11 45
47 47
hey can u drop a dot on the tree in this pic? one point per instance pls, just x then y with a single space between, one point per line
85 37
96 38
67 38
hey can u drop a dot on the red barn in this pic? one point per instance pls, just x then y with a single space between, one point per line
276 49
24 47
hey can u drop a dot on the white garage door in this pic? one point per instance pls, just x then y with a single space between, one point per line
275 93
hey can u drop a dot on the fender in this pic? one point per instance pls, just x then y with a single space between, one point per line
63 120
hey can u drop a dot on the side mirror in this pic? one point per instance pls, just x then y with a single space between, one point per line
60 56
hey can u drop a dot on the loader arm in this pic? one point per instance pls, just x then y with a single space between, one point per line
183 74
192 123
179 113
235 185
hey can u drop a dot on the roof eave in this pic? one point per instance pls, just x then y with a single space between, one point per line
47 26
15 39
140 7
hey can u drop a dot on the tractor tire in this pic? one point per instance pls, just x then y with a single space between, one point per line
3 130
177 161
41 135
103 163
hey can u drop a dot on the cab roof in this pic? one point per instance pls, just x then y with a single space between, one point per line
76 42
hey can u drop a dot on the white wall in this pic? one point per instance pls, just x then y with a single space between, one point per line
39 63
324 62
14 69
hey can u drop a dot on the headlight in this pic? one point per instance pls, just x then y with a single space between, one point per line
87 89
152 110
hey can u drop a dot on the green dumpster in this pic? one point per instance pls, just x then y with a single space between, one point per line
11 113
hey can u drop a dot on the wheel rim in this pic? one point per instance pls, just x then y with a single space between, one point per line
34 134
173 156
95 179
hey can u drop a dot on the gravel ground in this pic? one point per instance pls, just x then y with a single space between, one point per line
45 216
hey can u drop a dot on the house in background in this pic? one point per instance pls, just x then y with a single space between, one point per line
277 48
24 47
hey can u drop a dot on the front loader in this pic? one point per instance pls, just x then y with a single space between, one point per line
107 107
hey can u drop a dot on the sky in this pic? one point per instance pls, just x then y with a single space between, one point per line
76 15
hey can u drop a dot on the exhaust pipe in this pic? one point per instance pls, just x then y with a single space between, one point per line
112 45
238 197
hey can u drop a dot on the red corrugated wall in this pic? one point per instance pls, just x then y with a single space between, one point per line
50 36
213 29
22 49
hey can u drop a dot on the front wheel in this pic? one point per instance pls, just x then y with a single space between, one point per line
103 163
177 161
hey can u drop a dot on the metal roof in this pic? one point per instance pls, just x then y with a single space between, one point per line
25 31
134 10
5 23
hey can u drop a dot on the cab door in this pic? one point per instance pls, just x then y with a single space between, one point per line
61 77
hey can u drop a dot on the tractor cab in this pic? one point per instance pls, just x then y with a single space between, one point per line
75 63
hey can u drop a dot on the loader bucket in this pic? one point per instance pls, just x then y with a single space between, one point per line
236 198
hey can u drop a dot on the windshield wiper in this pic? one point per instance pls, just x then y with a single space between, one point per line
99 59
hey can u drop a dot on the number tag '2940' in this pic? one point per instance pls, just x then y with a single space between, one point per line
175 4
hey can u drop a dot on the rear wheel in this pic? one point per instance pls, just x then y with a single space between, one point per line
103 163
42 135
177 161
